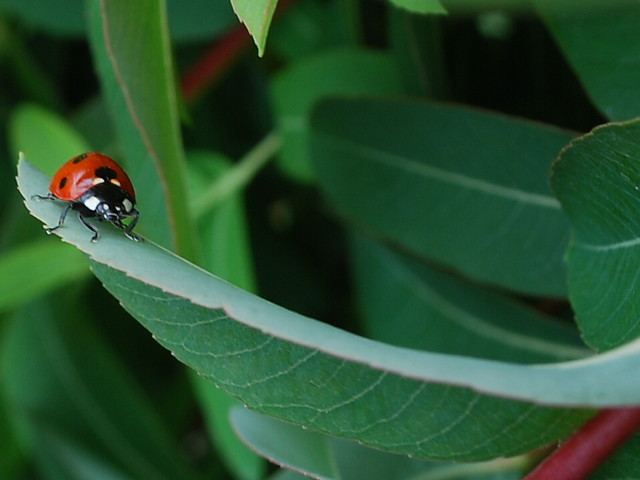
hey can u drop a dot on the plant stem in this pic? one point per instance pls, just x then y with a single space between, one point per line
590 446
215 61
239 175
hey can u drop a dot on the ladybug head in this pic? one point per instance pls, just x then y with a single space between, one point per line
109 202
113 211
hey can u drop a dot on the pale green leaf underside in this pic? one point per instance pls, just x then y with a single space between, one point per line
320 456
307 372
286 445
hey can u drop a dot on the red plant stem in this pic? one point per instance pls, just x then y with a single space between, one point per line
590 446
222 53
213 62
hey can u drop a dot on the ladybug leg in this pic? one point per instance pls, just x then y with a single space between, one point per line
128 230
63 215
96 232
48 196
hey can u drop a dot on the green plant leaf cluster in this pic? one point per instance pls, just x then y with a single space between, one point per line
424 162
435 277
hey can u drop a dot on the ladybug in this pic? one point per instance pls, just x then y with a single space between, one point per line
94 185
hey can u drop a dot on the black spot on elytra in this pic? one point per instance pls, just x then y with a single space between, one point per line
80 158
63 182
105 173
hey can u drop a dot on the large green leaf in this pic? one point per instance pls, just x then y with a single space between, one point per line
283 364
597 180
130 43
301 383
435 311
599 39
466 188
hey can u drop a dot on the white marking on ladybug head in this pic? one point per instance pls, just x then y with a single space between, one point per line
97 181
91 203
116 182
127 205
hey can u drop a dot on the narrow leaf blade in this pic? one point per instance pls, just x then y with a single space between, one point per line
464 188
145 113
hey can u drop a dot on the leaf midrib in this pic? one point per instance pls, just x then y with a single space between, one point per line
409 165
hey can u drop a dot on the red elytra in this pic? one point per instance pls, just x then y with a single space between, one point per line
81 173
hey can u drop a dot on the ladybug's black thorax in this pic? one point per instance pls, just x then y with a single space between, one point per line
106 173
105 200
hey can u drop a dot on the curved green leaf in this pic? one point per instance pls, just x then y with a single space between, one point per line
597 179
465 188
285 365
334 391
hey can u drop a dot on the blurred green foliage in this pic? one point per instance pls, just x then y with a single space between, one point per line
260 169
